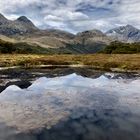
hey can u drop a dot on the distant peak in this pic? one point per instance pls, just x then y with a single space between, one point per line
24 19
2 17
91 33
96 31
129 26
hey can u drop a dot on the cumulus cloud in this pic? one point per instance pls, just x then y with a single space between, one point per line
75 15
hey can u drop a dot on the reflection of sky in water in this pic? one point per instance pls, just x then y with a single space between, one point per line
74 107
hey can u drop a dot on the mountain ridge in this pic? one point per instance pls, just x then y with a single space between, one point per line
126 33
20 26
24 26
91 41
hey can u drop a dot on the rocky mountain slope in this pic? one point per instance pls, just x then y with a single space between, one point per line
22 30
21 26
126 33
88 39
55 41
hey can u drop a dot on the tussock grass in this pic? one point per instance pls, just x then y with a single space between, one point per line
100 61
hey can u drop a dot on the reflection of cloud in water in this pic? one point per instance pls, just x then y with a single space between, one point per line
88 108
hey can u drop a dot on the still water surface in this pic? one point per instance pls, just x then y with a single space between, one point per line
72 107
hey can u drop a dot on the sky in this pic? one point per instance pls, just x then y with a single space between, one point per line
74 15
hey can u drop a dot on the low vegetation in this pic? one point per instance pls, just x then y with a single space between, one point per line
122 48
20 48
7 47
116 55
98 61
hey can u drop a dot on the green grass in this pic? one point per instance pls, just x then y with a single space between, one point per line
99 61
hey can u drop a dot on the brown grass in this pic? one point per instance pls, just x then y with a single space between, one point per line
100 61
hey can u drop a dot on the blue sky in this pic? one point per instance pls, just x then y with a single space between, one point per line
75 15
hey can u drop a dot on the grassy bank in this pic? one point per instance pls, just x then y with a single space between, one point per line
99 61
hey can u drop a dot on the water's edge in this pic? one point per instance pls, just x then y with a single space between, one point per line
73 104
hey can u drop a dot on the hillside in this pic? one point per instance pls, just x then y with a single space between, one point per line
23 30
21 47
25 37
12 46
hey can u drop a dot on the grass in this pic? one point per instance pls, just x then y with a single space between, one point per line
98 61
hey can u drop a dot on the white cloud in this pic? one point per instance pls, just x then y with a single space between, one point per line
75 15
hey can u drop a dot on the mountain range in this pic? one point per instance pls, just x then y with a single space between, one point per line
22 30
126 33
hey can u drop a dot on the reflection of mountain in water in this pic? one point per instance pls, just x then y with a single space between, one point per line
72 107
